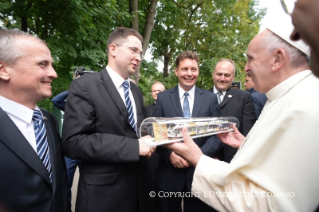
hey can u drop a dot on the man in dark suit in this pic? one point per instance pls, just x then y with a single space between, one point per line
185 100
151 168
260 99
232 102
102 115
33 175
156 88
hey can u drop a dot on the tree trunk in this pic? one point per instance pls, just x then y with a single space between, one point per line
149 24
148 28
133 10
24 24
167 56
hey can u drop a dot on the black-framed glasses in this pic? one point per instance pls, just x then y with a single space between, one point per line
134 50
288 5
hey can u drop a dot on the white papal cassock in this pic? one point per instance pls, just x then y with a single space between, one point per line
279 155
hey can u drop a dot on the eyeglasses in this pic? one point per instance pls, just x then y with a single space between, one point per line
134 50
288 5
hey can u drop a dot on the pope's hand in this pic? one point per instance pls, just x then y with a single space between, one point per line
187 150
233 139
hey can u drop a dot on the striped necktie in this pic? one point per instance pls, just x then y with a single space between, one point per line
42 141
129 104
186 109
219 94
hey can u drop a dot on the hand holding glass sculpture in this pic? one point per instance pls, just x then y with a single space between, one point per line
169 130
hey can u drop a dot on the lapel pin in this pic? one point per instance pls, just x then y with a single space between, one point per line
45 118
230 96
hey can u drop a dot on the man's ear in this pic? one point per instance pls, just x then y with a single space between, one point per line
280 56
176 72
4 72
112 49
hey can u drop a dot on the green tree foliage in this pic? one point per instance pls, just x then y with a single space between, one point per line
76 32
214 29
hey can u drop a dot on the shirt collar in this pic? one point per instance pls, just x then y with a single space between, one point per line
216 91
282 88
116 78
191 92
18 110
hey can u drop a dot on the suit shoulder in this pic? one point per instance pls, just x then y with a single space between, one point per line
165 93
47 113
241 92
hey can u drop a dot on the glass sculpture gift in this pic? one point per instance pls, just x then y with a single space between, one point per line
169 130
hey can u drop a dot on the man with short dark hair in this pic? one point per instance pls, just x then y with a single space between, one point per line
185 100
232 102
101 122
260 99
33 175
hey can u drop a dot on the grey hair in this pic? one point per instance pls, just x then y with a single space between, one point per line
227 60
272 42
158 82
9 52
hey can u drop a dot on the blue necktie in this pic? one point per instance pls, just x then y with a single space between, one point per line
42 141
186 110
129 104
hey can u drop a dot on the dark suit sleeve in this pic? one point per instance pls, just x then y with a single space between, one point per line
157 112
59 100
212 145
90 132
249 116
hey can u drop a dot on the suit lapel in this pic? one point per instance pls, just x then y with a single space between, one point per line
113 92
137 105
11 136
228 96
197 102
175 99
53 148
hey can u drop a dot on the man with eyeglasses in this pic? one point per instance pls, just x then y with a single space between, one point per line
275 167
101 122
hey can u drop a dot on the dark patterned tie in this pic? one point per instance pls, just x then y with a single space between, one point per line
129 104
186 110
219 99
42 141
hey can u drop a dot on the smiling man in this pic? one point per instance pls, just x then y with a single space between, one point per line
232 102
33 175
185 100
102 115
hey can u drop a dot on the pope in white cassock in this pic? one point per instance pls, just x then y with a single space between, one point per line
275 167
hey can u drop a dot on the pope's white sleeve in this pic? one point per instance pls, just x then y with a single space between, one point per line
237 194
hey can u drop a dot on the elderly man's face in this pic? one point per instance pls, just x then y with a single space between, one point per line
156 88
305 19
258 65
31 75
223 75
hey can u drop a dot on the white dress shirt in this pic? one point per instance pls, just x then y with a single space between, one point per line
22 117
118 82
191 97
222 95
